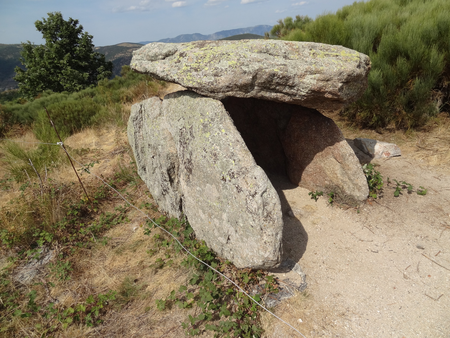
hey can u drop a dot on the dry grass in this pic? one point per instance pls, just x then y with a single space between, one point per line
123 264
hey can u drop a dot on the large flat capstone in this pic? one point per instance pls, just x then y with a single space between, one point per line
305 73
195 162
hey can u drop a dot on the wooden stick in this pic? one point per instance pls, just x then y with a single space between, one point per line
64 148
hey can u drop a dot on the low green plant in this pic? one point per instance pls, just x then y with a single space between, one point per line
60 269
224 310
331 197
22 163
400 186
315 195
374 180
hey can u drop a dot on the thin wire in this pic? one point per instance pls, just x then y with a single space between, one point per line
185 249
7 139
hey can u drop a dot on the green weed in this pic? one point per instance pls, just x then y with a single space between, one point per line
315 195
224 310
374 180
400 186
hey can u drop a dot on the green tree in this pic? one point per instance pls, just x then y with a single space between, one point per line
67 61
284 27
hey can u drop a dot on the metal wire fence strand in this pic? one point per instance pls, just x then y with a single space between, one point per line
185 249
30 142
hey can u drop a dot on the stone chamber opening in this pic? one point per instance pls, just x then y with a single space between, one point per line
262 125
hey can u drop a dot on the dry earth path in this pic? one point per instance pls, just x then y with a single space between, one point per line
382 271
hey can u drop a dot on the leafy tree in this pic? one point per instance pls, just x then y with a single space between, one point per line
284 27
67 61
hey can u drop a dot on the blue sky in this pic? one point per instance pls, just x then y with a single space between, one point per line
116 21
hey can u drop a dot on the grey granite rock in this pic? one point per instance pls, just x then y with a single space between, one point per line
195 162
309 74
377 149
319 158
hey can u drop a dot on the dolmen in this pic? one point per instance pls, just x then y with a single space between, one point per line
250 108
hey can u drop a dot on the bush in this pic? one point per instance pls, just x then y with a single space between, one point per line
69 117
100 104
408 43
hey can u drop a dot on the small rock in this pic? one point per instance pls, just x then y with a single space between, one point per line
27 273
418 246
377 149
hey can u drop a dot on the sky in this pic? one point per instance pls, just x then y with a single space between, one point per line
115 21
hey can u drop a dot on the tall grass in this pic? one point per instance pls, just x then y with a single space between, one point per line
408 42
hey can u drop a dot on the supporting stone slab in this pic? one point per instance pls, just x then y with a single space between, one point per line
188 150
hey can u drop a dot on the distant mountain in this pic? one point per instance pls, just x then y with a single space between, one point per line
258 30
120 54
9 59
244 37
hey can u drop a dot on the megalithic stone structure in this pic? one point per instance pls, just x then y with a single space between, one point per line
250 107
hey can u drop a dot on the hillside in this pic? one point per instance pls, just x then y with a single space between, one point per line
119 54
244 36
258 30
9 59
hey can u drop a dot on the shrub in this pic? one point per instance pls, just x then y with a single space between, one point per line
69 117
408 43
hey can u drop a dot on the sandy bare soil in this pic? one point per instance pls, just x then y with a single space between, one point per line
382 271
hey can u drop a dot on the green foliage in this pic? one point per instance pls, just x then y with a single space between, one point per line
224 310
287 25
67 61
21 163
61 269
374 180
409 46
315 195
400 186
91 106
11 96
331 197
68 116
52 317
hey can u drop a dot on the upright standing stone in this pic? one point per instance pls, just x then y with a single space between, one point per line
195 161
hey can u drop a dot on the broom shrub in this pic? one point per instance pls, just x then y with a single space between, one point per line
408 42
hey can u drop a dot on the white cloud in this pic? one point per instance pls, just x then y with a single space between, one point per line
135 6
214 2
243 2
280 11
145 5
301 3
179 4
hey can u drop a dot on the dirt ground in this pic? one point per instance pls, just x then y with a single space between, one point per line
380 271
